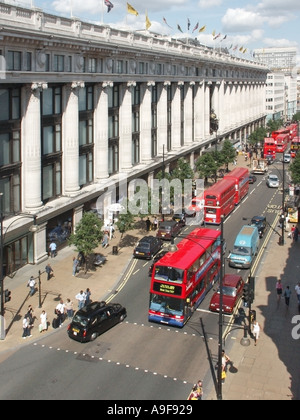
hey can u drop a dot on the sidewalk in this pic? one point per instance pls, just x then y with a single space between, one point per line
63 285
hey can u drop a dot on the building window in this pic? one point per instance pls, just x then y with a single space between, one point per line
10 186
85 168
153 143
135 121
114 96
92 65
13 60
58 64
28 61
135 150
10 104
69 63
51 187
119 66
113 158
47 62
85 132
51 101
51 139
86 98
9 148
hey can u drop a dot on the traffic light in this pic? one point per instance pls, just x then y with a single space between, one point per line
252 289
7 296
246 293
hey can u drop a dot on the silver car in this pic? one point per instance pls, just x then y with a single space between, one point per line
272 181
287 158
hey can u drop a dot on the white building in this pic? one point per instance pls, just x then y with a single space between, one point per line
83 105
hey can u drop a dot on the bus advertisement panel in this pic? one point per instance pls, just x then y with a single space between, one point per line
295 145
269 148
181 279
282 141
241 179
219 200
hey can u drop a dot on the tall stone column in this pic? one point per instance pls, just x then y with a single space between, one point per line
176 116
162 118
125 151
188 115
31 146
101 130
199 112
145 122
206 110
70 139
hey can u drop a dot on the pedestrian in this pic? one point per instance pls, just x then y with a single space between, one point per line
291 233
225 360
60 312
31 283
256 331
155 223
49 271
75 266
87 297
26 330
81 299
105 240
52 248
200 389
81 259
43 325
278 290
111 231
30 316
297 290
296 234
148 224
194 394
287 294
69 308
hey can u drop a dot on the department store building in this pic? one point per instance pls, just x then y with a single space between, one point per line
83 104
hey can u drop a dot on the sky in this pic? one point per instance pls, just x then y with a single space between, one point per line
248 24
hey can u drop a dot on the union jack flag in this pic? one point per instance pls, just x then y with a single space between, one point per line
109 5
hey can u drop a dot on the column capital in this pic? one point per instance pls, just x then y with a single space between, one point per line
167 83
107 84
180 83
151 83
39 86
77 85
131 84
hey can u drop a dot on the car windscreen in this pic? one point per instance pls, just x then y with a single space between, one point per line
228 291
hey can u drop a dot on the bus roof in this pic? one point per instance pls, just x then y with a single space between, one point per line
282 136
190 248
237 172
219 186
268 140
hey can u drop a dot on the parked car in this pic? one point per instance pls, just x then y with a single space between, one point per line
272 181
94 319
157 257
180 218
147 247
233 285
252 179
168 229
261 223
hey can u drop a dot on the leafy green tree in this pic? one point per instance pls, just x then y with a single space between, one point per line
294 170
182 171
125 222
88 235
296 117
273 125
206 166
228 153
258 136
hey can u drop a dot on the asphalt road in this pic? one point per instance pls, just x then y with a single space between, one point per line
136 360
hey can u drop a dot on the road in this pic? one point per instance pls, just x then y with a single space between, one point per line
136 360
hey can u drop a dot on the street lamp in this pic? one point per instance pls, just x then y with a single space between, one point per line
32 228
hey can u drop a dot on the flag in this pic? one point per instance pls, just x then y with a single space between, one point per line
244 50
148 23
230 46
213 32
109 5
202 29
164 19
196 27
224 38
235 48
131 10
178 27
217 36
188 24
241 49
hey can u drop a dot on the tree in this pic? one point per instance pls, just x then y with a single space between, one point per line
228 153
125 222
88 235
206 166
294 170
258 136
182 171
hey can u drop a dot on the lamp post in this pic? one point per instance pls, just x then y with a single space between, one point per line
32 228
283 201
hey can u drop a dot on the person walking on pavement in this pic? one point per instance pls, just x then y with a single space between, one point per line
148 224
87 297
287 294
278 291
43 325
200 389
256 331
31 284
297 290
60 312
75 266
69 308
26 330
105 240
81 299
52 248
49 271
296 234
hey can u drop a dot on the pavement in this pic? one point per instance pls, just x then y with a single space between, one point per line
268 371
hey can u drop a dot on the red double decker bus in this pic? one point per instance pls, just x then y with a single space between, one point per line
282 142
293 130
181 279
219 200
269 147
241 179
295 146
280 131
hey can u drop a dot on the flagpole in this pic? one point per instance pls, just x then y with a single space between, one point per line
102 1
71 8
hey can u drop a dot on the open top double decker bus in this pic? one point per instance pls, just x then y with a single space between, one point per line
181 279
219 200
241 178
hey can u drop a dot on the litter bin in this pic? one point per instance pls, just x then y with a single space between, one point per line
115 250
